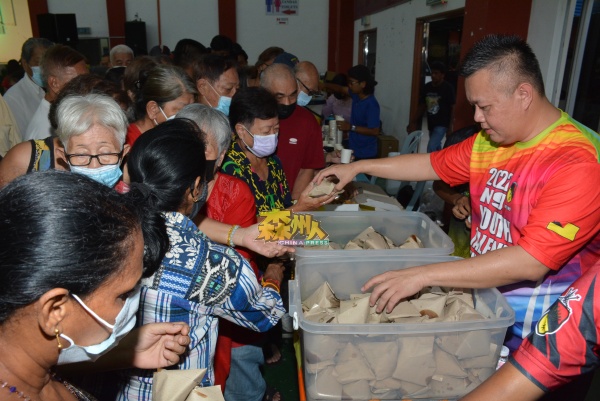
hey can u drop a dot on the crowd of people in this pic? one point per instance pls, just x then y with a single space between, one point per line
167 164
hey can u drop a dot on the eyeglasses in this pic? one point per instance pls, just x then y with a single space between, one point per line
353 82
105 159
308 91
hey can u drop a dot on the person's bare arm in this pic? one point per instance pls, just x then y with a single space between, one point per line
15 163
335 88
346 126
508 383
245 237
503 266
305 177
412 167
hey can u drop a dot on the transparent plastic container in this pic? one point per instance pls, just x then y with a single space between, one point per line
341 227
477 343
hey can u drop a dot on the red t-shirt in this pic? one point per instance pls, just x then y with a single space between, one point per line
133 133
566 340
300 144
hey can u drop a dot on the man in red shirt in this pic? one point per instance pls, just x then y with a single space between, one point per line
300 145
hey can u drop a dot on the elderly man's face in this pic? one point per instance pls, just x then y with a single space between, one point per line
36 57
122 60
227 85
500 113
285 90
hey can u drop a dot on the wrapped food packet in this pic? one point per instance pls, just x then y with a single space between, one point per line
324 188
322 297
354 311
415 362
412 242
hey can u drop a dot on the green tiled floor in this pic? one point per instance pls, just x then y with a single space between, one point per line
283 376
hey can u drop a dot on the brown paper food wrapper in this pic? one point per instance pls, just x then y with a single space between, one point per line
319 348
380 357
446 364
182 385
324 188
415 362
448 386
322 297
358 390
412 242
430 304
325 383
354 311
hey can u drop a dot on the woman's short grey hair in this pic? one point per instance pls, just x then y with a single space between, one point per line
212 122
77 114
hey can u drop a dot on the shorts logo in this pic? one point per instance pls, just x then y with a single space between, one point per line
558 314
293 141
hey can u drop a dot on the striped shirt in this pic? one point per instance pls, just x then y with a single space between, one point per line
197 282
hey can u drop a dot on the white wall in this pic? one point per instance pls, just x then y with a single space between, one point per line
179 19
305 35
395 45
88 13
16 31
549 32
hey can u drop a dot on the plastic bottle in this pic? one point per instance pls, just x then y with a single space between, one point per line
503 357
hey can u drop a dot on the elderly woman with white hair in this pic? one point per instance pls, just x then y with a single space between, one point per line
90 140
92 132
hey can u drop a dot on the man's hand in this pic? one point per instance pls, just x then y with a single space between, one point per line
344 172
393 286
307 203
158 345
343 125
462 207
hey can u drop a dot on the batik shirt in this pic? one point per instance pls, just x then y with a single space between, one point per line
565 342
543 195
272 194
197 282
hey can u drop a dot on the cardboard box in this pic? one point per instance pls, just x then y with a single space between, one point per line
385 145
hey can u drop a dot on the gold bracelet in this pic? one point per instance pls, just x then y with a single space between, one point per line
230 235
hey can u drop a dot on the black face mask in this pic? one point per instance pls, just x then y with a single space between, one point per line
284 111
209 172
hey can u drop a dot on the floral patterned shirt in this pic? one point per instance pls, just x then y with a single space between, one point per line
197 282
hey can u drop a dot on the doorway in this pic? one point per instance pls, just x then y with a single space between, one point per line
367 49
437 38
580 94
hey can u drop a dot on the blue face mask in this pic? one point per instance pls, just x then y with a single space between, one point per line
303 99
107 175
36 76
224 102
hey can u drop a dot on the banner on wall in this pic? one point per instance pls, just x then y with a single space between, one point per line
282 7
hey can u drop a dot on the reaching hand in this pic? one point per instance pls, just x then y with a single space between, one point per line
247 237
393 286
344 172
274 271
462 207
306 203
158 345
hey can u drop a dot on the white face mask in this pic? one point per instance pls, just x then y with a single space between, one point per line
163 113
124 322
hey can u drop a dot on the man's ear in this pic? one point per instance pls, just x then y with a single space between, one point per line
52 309
202 86
152 110
525 92
53 83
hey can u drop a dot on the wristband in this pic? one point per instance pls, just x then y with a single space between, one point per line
232 231
353 128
